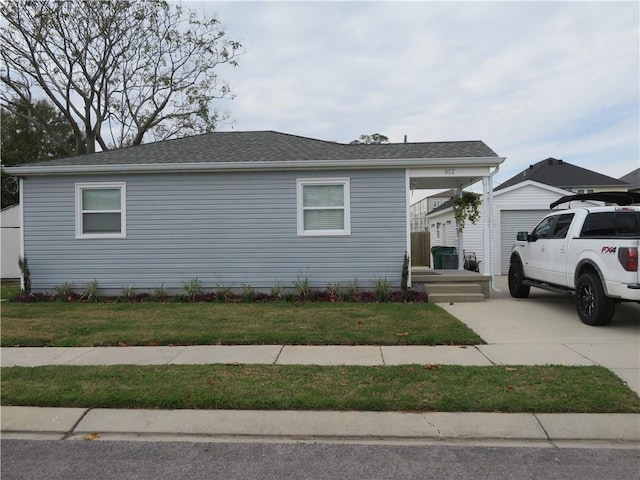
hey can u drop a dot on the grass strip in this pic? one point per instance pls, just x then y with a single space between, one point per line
9 289
342 323
402 388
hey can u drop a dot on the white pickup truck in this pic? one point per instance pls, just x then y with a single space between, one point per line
590 252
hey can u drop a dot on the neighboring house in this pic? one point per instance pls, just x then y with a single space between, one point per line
561 174
633 179
10 241
518 207
421 208
234 208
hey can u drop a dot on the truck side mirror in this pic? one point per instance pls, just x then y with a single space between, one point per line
523 236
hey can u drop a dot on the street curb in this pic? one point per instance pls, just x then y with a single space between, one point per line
320 425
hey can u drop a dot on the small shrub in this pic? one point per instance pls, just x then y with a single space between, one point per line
128 293
32 297
140 297
90 292
247 293
405 277
23 264
381 291
365 296
333 292
263 297
351 292
223 293
276 291
160 293
64 292
418 296
204 297
302 287
192 289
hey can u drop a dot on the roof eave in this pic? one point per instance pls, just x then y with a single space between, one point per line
342 164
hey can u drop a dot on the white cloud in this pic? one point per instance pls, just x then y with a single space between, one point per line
531 79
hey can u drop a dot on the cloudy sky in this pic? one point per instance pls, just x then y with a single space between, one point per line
531 79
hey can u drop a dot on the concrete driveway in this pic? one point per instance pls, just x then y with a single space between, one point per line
546 325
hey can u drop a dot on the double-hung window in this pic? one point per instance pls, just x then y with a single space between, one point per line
101 210
324 206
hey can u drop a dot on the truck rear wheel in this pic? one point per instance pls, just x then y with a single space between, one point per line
593 306
516 276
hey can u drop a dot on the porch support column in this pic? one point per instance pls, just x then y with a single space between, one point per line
460 237
487 207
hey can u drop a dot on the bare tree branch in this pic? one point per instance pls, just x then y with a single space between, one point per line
128 69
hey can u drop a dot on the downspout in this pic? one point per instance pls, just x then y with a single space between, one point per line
460 236
494 287
21 214
407 180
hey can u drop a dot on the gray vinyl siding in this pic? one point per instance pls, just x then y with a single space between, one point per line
225 229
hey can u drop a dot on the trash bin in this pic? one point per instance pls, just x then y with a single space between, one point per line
438 254
449 262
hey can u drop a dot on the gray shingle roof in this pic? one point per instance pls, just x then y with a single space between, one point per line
632 178
261 146
559 173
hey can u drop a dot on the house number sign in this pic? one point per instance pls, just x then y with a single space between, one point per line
449 171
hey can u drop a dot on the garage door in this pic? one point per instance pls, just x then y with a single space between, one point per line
512 222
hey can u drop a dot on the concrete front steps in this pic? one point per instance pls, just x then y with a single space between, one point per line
452 286
454 292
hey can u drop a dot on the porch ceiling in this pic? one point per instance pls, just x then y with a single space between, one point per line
457 175
433 183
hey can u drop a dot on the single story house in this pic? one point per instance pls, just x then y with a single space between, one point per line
233 208
10 239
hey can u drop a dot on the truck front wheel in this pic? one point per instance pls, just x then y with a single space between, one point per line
593 306
516 276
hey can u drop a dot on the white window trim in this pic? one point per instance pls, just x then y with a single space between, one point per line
123 210
345 182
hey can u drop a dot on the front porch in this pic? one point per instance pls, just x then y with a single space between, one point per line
445 286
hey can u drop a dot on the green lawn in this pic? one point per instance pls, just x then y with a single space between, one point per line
341 323
402 388
9 289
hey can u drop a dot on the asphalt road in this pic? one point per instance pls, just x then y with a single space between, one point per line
71 460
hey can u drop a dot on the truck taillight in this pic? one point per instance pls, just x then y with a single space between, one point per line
628 258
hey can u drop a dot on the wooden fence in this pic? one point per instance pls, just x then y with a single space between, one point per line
420 249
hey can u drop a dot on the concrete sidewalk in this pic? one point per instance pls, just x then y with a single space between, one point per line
295 355
612 430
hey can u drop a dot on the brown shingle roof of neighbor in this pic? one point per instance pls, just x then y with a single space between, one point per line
559 173
264 146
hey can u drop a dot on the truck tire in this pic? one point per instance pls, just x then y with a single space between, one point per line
516 276
593 306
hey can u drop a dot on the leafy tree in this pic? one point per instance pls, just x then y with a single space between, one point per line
369 139
119 71
30 133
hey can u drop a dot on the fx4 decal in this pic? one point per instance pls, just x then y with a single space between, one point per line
608 250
